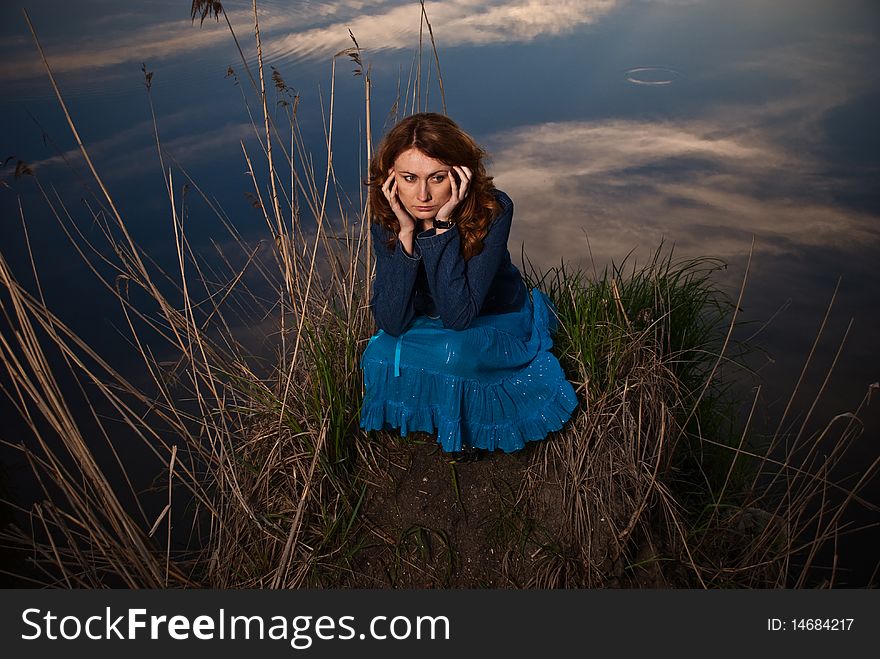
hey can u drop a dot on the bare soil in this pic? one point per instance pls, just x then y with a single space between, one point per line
437 523
430 522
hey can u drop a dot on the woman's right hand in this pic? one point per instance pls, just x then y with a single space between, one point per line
389 189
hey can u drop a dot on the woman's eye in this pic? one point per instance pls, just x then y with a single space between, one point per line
439 178
409 178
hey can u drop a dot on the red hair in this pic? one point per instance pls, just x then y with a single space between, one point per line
438 137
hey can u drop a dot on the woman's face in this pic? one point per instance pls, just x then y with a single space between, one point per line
422 183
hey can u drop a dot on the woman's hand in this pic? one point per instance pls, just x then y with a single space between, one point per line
389 189
459 191
407 222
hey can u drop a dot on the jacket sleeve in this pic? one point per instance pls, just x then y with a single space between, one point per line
459 288
396 272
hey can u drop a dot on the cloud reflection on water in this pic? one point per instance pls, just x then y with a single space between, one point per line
709 181
139 37
131 153
304 31
700 183
455 23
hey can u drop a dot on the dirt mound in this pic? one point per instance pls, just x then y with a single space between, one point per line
437 523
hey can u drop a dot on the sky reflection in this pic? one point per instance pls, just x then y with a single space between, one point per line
755 134
291 32
458 22
700 184
766 129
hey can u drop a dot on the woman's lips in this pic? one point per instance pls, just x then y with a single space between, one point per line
423 208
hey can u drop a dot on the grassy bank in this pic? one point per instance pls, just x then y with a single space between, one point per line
264 478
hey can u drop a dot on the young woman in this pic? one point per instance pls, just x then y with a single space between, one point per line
462 348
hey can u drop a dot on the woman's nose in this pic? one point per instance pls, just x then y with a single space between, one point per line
424 193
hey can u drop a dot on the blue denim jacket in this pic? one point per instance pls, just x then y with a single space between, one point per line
438 282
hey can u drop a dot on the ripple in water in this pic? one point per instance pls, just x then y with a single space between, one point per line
652 76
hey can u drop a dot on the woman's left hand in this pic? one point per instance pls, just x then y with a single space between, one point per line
459 191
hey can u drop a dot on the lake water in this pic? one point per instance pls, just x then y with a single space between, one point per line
613 124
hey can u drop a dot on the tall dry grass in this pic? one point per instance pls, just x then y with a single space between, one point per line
658 483
258 461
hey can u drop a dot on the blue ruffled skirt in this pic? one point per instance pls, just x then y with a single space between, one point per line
495 385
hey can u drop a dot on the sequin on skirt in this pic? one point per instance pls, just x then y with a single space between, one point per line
495 385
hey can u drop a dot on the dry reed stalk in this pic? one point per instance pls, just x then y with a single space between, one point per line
207 373
108 522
